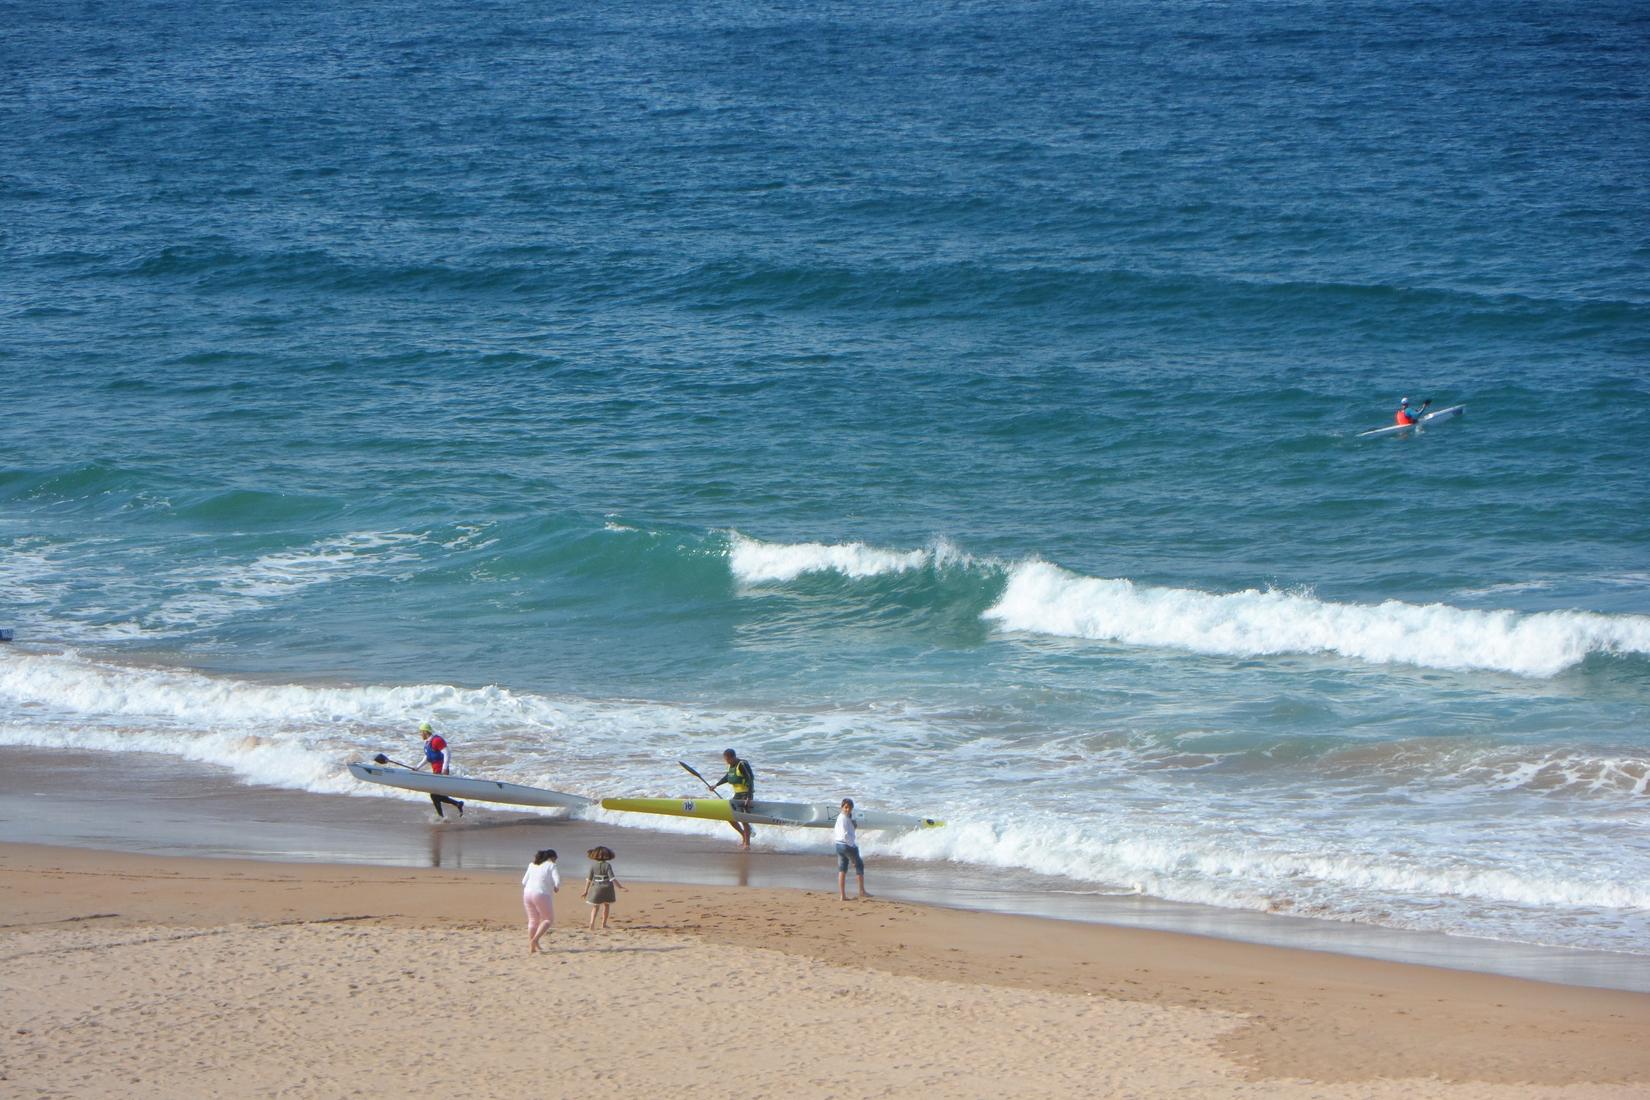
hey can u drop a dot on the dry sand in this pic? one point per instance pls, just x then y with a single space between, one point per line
155 977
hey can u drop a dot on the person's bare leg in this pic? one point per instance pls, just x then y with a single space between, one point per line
862 892
842 885
533 918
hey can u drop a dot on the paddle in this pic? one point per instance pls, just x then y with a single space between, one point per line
736 825
700 778
382 759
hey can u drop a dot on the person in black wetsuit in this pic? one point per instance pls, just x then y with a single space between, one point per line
743 781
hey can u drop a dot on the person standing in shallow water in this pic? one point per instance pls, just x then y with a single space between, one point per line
440 760
742 780
846 835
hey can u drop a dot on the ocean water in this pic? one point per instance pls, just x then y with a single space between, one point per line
951 405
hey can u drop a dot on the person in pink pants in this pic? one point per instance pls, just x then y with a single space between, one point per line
538 887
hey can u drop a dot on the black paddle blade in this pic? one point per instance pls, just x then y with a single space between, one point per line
691 772
380 759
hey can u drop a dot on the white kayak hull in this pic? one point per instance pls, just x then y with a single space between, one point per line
464 788
1425 421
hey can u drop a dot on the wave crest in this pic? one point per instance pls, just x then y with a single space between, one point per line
756 562
1044 599
1037 597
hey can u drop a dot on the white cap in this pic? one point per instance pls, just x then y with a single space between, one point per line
1405 401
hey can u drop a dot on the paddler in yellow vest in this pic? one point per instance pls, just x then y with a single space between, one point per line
743 781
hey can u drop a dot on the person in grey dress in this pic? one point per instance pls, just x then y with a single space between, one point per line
601 885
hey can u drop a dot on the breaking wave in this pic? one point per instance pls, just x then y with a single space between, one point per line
1037 597
1044 599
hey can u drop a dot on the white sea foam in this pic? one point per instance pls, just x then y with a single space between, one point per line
28 575
1553 773
274 761
1042 598
755 562
1406 862
300 736
1438 888
1505 588
470 537
37 578
221 591
143 594
68 684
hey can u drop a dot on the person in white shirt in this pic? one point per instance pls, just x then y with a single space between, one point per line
847 851
538 885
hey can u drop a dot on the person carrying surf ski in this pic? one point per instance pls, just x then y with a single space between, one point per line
742 781
1405 417
440 760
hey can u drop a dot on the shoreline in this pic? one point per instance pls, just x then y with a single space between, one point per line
105 950
158 805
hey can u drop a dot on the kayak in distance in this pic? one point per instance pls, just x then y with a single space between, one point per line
461 787
812 815
1425 421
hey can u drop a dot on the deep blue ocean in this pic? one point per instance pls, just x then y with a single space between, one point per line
954 405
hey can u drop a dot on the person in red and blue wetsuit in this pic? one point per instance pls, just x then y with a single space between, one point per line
1405 417
440 760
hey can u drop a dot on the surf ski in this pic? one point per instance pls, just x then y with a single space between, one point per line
1425 420
810 815
464 788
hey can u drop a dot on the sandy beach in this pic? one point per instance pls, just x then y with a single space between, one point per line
137 975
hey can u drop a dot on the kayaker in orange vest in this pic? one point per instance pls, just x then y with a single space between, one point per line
1405 418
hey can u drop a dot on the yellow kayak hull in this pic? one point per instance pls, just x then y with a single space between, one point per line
809 815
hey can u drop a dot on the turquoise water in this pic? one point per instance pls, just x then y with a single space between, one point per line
953 407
